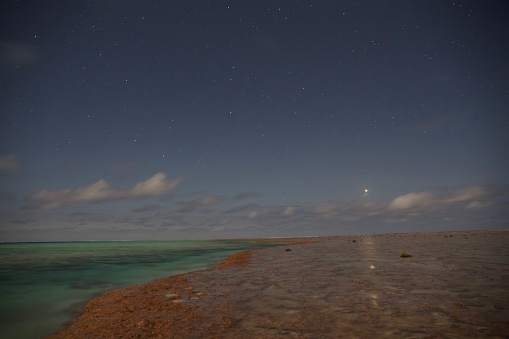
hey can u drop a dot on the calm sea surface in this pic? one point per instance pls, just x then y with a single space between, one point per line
42 285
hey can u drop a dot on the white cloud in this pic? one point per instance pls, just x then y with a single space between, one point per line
417 206
412 200
424 200
449 209
468 193
325 209
252 215
288 211
155 186
9 164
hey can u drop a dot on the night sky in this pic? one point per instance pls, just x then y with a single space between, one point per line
222 119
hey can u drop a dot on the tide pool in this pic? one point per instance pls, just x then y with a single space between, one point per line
43 285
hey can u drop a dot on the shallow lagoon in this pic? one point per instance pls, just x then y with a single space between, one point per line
43 285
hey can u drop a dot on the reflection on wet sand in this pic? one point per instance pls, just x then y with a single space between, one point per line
454 285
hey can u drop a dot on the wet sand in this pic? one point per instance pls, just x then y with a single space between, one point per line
453 285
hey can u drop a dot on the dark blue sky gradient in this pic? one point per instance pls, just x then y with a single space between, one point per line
268 118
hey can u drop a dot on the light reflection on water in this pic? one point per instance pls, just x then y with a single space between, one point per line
453 286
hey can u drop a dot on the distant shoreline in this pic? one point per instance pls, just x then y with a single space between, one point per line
453 283
262 239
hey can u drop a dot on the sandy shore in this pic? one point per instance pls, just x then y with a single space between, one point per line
454 285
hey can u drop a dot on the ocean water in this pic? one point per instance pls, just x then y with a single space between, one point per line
43 285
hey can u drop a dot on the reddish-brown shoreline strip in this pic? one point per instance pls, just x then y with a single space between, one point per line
240 259
158 309
454 285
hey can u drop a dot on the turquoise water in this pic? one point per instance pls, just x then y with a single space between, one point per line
42 285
